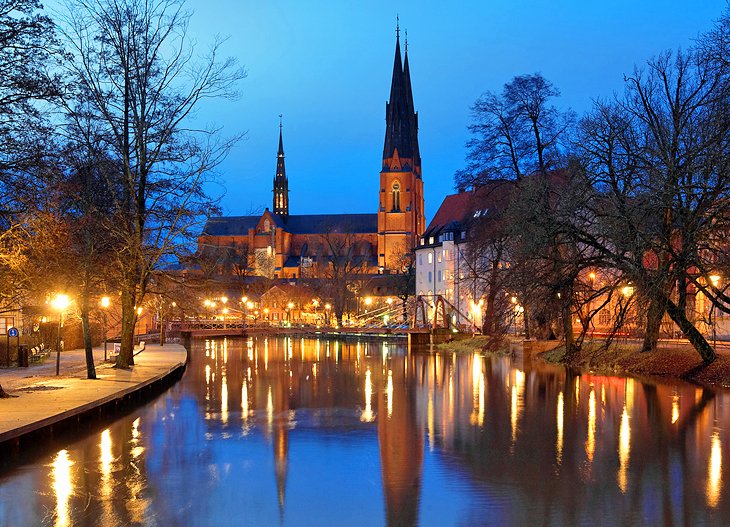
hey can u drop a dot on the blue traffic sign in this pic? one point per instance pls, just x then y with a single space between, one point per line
13 332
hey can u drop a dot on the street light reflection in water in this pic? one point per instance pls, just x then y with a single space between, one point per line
462 436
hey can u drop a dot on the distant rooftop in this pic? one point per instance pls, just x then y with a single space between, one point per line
296 224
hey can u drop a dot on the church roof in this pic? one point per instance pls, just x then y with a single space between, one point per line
342 223
230 225
295 224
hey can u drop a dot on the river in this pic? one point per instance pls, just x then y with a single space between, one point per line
284 431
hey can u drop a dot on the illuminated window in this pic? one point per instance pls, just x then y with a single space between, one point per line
5 323
430 257
396 197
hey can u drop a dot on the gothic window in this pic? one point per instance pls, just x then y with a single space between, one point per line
267 225
396 197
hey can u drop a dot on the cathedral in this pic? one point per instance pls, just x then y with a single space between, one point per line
278 244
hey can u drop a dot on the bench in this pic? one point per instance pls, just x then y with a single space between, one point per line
38 352
136 351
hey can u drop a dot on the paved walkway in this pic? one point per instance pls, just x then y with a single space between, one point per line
41 398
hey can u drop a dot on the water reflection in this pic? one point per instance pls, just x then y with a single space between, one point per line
62 487
296 431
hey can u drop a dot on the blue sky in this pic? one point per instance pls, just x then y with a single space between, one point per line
326 66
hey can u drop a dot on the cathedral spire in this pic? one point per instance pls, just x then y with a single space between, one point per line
401 133
281 183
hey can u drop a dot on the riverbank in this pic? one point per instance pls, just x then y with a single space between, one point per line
672 360
40 402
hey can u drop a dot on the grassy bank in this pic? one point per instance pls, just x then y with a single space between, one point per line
479 343
675 361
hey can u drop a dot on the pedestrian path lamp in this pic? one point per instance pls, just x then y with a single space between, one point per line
60 302
104 303
715 279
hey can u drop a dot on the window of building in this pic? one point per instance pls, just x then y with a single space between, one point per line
396 197
604 317
430 240
5 323
439 276
439 258
430 277
420 259
430 257
446 254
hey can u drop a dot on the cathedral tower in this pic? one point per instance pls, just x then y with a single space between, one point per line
281 184
401 218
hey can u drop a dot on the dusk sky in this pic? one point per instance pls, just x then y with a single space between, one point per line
326 66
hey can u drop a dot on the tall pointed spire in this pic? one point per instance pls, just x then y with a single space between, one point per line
281 183
401 133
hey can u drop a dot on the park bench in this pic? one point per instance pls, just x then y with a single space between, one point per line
38 352
136 351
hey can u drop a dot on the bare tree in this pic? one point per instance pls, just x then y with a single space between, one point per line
657 158
143 79
338 264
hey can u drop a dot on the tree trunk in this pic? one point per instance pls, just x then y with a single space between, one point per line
89 352
126 353
695 338
682 291
566 317
162 331
526 322
654 316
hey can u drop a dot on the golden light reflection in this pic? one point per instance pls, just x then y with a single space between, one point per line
105 465
389 393
517 393
137 450
714 471
62 487
624 448
577 392
591 439
630 395
207 382
105 456
224 398
675 408
367 414
270 409
266 354
559 419
244 401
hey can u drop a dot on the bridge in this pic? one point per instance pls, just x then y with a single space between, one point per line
432 321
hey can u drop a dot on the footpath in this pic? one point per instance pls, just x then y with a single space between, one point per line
40 399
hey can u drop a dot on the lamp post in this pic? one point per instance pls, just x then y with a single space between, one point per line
61 303
104 303
715 279
139 328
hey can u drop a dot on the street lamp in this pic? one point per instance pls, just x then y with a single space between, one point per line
104 303
289 307
327 308
139 327
715 279
61 303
